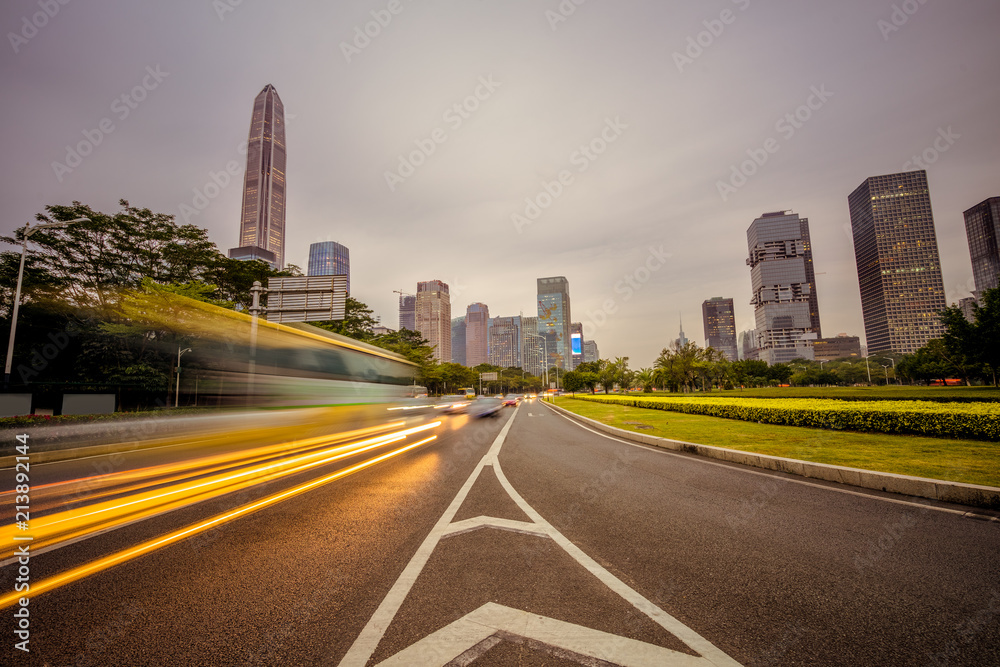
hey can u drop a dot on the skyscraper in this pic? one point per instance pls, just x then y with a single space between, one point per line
681 339
477 317
458 340
505 342
532 348
720 326
262 224
434 317
554 321
982 227
407 312
330 259
576 343
899 270
783 296
590 352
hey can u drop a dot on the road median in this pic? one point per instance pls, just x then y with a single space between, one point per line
972 495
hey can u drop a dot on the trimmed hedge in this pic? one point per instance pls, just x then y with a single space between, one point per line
975 421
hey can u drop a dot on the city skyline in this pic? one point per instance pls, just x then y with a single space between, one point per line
176 143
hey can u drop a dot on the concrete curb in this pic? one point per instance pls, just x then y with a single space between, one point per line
987 497
54 455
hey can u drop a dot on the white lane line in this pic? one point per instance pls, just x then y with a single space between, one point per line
457 638
746 469
469 525
364 646
441 647
662 618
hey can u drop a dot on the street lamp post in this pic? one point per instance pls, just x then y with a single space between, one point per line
868 368
28 231
177 391
885 367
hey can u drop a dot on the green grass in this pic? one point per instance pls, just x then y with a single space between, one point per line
890 393
967 461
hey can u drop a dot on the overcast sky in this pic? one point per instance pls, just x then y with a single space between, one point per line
884 85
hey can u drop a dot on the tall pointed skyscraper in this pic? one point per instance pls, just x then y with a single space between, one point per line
262 225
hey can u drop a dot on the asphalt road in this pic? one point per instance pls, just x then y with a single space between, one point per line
530 540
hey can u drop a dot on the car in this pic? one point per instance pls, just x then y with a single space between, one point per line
512 400
485 407
453 405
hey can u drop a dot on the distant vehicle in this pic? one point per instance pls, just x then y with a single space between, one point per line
512 400
452 405
468 392
485 407
948 382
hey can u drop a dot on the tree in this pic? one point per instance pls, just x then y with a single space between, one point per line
971 345
357 323
646 379
573 382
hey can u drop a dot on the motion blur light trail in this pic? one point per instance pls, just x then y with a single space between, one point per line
100 517
149 546
127 481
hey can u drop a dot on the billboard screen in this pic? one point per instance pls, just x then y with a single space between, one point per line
577 344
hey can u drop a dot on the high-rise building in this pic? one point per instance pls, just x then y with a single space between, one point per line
477 318
590 352
407 312
968 307
505 342
982 227
681 339
576 343
720 326
554 321
434 317
746 345
783 296
262 224
532 347
330 259
899 270
458 340
841 347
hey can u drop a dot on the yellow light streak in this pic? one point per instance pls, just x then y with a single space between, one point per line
149 546
62 526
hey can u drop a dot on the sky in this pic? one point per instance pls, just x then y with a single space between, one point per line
589 139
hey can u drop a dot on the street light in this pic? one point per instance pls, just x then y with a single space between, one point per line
177 391
885 367
28 231
868 368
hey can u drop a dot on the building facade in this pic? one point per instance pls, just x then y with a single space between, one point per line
262 223
576 343
505 342
434 317
719 317
458 340
982 227
477 344
899 270
408 312
841 347
746 345
532 347
330 259
780 268
554 321
590 352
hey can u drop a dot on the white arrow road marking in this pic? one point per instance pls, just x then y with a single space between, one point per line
490 620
